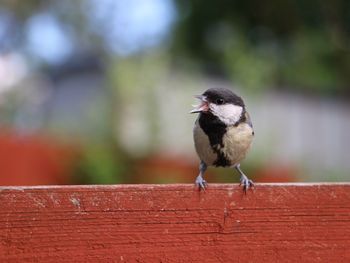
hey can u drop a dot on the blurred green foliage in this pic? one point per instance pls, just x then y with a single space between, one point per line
258 44
100 164
263 44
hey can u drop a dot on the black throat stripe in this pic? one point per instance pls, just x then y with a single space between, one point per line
215 130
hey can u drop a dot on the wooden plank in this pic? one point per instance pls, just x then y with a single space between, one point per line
175 223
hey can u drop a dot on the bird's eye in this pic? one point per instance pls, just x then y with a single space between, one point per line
220 101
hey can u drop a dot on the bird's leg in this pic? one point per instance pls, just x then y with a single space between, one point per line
244 180
200 182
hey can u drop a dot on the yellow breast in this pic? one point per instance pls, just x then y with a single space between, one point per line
237 142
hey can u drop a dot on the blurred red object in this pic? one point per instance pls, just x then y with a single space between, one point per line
164 168
34 160
276 174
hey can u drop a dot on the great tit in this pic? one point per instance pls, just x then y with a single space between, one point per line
223 133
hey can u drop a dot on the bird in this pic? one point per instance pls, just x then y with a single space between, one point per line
222 133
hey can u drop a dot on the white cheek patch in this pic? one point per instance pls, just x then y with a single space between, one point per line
227 113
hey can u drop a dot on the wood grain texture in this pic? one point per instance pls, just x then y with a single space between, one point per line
175 223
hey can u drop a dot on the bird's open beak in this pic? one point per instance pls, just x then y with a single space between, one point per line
203 106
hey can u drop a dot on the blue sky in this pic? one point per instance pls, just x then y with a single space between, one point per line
125 26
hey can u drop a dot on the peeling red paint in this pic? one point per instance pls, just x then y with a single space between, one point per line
175 223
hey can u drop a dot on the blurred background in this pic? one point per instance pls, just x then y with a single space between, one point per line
99 91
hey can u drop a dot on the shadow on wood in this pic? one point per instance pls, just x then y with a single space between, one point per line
176 223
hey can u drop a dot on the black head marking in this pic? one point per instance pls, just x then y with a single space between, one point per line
223 96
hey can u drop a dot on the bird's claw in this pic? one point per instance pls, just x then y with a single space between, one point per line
247 183
201 183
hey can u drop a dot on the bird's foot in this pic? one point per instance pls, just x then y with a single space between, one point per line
246 182
201 183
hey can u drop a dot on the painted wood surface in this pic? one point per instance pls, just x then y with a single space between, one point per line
175 223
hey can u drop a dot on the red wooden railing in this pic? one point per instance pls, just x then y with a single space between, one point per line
175 223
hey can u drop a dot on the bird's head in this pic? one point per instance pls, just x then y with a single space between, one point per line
222 103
